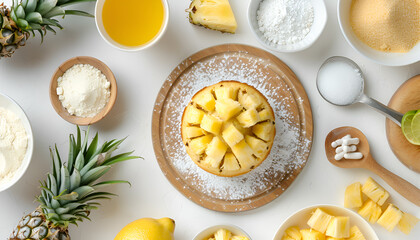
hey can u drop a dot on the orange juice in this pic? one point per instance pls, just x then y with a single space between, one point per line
133 22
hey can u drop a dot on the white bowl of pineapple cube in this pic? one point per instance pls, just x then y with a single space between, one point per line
301 217
209 232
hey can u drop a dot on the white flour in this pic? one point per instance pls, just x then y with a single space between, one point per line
83 90
290 147
13 144
285 22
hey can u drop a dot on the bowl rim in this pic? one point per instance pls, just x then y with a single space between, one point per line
56 103
29 151
326 206
360 51
231 226
152 42
298 49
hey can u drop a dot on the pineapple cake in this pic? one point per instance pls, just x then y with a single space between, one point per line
228 128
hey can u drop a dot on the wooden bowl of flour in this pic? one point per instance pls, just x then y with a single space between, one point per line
58 106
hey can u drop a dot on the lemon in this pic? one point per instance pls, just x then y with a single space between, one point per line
408 126
148 229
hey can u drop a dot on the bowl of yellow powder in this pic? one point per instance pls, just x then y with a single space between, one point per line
385 31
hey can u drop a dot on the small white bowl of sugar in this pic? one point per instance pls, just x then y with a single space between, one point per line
287 25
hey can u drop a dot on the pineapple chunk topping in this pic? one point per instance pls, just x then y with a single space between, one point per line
223 92
407 223
258 145
339 227
370 211
193 132
232 135
211 124
311 234
375 191
230 162
194 115
262 130
320 220
292 233
215 152
206 101
227 108
356 234
390 218
248 118
244 154
199 145
265 115
353 196
248 100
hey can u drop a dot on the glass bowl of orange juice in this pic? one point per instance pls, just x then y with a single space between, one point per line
131 25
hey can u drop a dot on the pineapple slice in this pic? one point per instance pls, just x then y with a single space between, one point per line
211 124
263 130
311 234
407 222
213 14
339 227
248 100
390 218
353 196
206 101
265 114
374 191
370 211
215 152
194 115
193 132
244 154
232 135
248 118
258 146
230 163
223 92
227 108
222 234
239 238
199 145
320 220
356 234
292 233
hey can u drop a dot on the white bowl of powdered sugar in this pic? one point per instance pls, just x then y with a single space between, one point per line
16 142
287 25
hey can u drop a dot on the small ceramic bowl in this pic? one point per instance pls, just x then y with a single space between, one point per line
57 103
110 41
301 217
10 104
206 233
320 20
384 58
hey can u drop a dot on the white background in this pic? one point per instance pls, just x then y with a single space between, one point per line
26 77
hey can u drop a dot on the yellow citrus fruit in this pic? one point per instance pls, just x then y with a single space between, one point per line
148 229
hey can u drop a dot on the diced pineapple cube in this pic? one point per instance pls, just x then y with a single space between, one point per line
230 163
193 132
339 227
258 145
223 92
227 108
375 191
311 234
370 211
239 238
232 136
244 154
356 234
248 100
319 220
390 218
248 118
215 152
206 101
222 234
407 223
265 114
199 145
353 196
292 233
193 115
263 130
211 124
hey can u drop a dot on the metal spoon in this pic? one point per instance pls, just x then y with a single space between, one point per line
361 97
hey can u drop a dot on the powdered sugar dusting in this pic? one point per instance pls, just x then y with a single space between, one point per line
290 148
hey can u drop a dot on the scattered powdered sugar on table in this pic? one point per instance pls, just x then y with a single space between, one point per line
290 147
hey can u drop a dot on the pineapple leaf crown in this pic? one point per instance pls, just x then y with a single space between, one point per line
71 192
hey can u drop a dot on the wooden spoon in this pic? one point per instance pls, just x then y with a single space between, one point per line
406 189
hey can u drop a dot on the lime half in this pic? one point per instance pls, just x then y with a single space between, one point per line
415 127
407 125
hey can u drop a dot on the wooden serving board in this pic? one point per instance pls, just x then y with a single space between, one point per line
405 99
294 126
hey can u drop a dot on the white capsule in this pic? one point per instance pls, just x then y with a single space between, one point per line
353 155
339 156
350 141
339 150
348 149
339 142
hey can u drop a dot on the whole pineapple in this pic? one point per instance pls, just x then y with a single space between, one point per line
71 191
28 16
